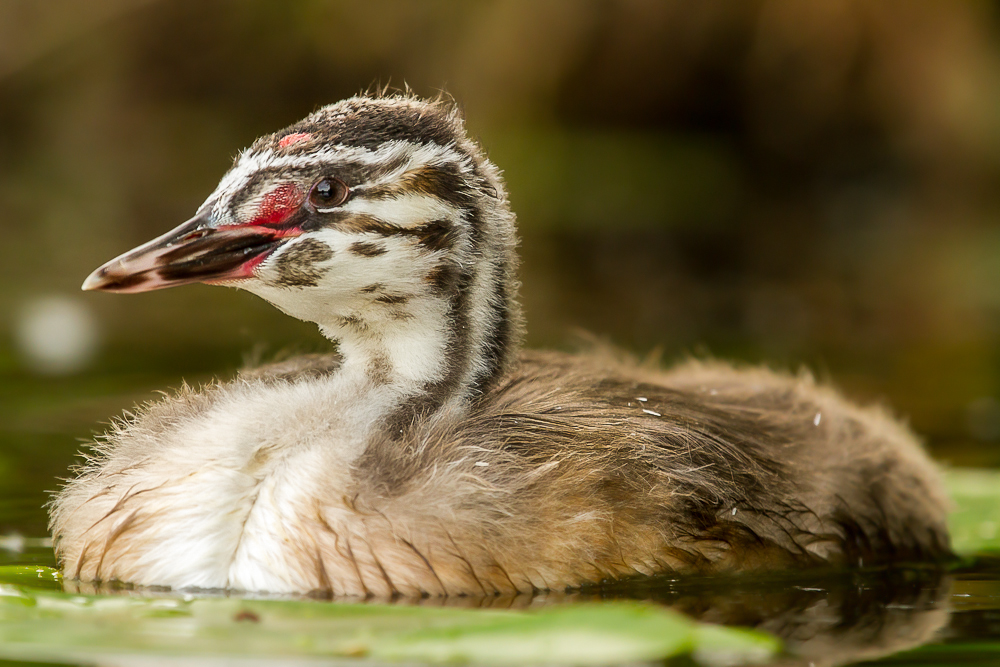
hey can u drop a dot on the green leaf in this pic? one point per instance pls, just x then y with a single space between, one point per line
43 625
975 522
586 634
34 576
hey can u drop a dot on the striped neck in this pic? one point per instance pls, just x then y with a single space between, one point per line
443 345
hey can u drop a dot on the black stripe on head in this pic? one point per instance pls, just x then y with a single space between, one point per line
436 235
349 222
370 122
443 181
433 236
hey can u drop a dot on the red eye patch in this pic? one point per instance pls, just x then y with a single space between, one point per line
278 205
290 139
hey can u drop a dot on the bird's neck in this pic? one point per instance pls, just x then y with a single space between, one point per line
416 366
402 358
440 350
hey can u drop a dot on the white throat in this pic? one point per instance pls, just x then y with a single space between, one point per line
404 355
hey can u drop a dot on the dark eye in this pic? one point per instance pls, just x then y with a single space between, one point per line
328 193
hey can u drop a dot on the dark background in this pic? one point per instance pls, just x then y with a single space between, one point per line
798 183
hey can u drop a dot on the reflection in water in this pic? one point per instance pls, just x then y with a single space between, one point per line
829 619
825 618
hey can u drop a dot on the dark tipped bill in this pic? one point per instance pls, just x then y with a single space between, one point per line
196 251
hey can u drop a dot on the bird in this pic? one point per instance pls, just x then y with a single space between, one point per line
427 455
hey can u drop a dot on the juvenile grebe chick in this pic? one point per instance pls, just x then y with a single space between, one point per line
431 457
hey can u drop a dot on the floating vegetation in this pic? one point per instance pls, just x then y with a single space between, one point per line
40 624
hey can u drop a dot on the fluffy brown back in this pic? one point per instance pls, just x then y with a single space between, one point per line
608 469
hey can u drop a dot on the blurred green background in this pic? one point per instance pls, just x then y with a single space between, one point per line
801 183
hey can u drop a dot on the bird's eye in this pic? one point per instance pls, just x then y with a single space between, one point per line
328 193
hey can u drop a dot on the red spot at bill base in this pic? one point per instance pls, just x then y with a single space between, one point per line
275 208
278 205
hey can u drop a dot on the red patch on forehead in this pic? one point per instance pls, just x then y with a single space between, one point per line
290 139
278 205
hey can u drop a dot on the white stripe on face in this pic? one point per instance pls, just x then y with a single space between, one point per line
409 156
405 210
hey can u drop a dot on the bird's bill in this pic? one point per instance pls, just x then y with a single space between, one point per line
196 251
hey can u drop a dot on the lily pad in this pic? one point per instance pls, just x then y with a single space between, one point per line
592 634
45 625
33 576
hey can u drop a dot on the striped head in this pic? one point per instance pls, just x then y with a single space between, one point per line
372 215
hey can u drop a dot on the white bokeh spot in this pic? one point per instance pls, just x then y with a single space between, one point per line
56 334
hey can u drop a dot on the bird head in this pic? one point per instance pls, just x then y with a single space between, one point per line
357 211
